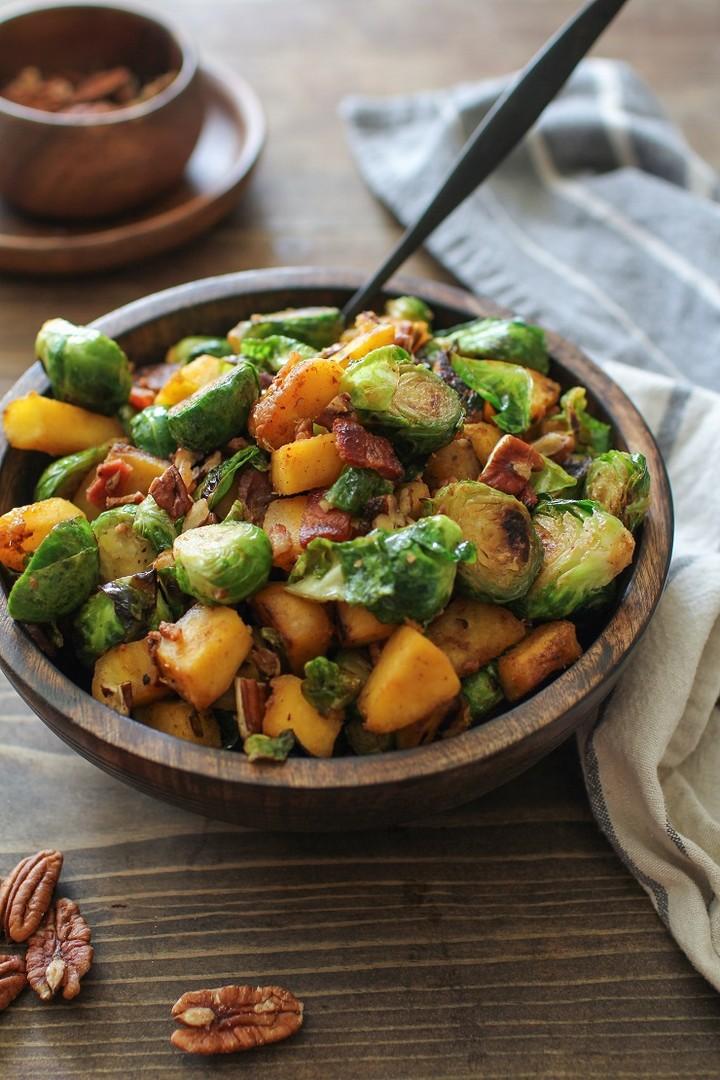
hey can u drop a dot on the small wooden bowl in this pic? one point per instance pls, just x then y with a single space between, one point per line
80 166
349 792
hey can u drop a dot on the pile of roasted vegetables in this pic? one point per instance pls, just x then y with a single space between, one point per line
311 538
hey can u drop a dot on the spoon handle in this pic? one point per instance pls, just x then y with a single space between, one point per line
499 132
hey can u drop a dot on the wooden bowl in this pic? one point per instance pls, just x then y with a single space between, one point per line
349 792
80 166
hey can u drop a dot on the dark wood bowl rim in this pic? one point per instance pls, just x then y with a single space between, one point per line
187 72
578 686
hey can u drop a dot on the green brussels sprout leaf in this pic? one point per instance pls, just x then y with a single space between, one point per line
591 435
60 576
354 488
364 742
222 564
150 431
220 479
61 477
271 353
620 483
481 691
215 413
328 686
508 388
265 748
551 478
84 366
501 339
314 326
408 307
189 348
154 525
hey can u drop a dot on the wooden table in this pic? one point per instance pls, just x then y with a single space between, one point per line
504 939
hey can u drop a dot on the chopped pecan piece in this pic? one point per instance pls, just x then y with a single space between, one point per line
266 661
107 480
60 953
360 448
339 406
320 519
234 1018
124 500
558 445
250 696
255 491
303 429
509 467
26 893
170 493
12 979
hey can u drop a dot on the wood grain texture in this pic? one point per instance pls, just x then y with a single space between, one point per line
501 940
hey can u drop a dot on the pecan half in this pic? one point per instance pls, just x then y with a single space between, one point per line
509 467
171 494
12 979
250 698
26 893
60 953
235 1018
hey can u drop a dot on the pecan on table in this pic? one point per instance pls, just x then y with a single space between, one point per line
60 953
12 979
170 493
235 1018
26 893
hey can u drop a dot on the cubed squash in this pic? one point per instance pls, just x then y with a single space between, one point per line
300 391
411 679
127 676
362 344
289 709
546 649
422 731
456 461
144 468
545 395
304 625
305 464
358 626
471 633
182 720
483 438
199 655
193 376
24 528
282 521
34 422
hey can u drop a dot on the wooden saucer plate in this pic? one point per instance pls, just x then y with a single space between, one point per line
229 145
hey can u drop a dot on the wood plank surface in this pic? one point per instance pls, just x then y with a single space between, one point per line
502 939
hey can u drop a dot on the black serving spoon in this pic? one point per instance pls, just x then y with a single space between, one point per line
499 132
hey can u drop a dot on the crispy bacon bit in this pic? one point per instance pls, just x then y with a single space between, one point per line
108 476
124 500
250 697
255 491
339 406
141 397
170 493
360 448
320 519
405 334
509 467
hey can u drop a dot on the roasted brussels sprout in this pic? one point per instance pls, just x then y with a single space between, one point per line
403 400
217 412
123 552
60 576
62 477
119 612
328 686
220 479
364 742
315 326
482 692
501 339
155 525
509 553
150 431
222 564
272 352
508 388
84 367
354 488
591 435
266 748
585 549
408 574
552 478
408 307
620 482
189 348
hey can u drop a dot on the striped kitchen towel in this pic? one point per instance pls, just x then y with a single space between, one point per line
605 226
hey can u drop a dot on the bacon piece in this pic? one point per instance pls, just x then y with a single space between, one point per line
107 480
509 467
141 397
319 519
170 493
360 448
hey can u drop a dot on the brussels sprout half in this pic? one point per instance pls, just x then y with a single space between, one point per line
84 367
509 553
329 686
408 307
362 741
552 478
123 552
154 525
150 431
272 352
217 412
585 549
508 388
220 479
592 436
403 400
501 339
60 576
189 348
222 564
482 692
119 612
62 477
354 488
408 574
620 483
315 326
